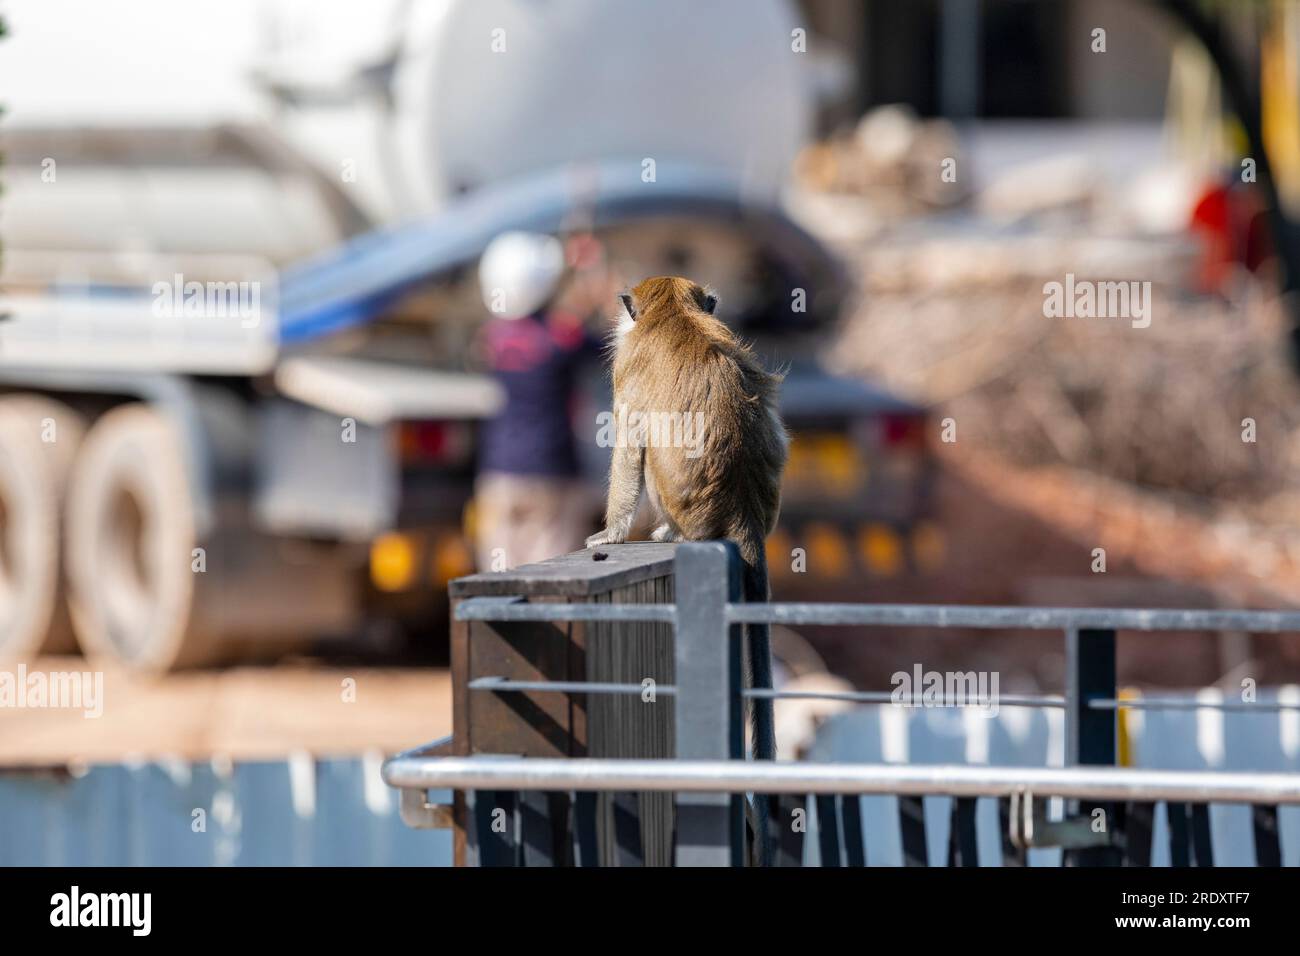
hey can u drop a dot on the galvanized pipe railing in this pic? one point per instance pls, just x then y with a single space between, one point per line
710 775
728 776
978 617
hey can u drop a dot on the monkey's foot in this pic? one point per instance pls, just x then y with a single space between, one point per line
664 532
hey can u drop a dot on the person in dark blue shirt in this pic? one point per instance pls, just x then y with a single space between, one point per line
529 502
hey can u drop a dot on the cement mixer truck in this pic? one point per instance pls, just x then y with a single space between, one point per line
237 403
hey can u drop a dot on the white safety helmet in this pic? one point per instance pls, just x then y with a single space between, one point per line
520 272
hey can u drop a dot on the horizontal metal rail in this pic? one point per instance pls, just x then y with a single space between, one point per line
1193 703
431 749
903 615
1016 618
887 697
735 776
494 609
502 685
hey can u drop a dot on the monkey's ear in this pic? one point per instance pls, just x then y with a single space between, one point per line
710 302
627 304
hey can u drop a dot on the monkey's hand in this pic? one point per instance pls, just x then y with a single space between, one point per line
608 536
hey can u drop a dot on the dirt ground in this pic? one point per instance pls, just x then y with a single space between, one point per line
241 713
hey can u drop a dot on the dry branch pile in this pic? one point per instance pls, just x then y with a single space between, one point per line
960 324
890 167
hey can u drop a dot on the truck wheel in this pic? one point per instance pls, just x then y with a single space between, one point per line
130 540
61 429
29 541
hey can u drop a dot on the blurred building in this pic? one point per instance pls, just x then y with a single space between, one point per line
1002 58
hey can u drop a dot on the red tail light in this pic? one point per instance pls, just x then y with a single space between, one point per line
434 443
902 431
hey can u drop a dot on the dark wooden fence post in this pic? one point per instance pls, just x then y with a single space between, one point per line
605 830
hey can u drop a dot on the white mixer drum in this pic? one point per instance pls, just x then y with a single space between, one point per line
491 89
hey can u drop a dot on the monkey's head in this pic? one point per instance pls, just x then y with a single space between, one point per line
664 295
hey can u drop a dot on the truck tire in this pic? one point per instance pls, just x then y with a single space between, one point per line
61 430
130 538
29 541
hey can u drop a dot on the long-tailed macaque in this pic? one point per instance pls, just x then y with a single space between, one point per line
706 443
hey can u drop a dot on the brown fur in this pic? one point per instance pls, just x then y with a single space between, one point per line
678 358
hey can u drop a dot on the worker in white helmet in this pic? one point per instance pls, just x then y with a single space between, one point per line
529 502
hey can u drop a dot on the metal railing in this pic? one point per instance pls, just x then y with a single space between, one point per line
709 775
728 776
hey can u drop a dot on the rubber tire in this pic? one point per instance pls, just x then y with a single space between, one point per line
29 538
56 459
130 534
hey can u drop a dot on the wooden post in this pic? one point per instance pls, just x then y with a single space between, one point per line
548 724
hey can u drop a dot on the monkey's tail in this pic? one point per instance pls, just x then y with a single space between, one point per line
760 656
756 590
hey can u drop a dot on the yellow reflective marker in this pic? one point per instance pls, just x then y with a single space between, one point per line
882 550
839 464
928 547
392 562
1123 732
828 552
778 553
799 465
451 559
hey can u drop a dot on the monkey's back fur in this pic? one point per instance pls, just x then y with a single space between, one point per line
678 358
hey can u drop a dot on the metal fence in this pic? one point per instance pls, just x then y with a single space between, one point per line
545 811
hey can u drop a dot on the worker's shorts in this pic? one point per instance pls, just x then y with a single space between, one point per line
522 519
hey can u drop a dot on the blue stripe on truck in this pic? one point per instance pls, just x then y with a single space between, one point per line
356 281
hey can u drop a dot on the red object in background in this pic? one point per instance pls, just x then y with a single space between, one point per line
903 431
1211 222
1259 241
433 443
423 440
1233 230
